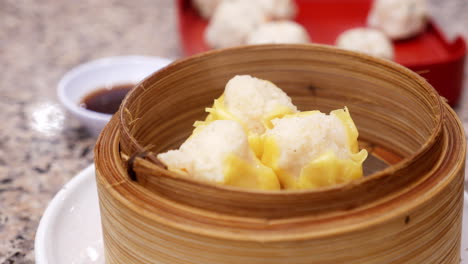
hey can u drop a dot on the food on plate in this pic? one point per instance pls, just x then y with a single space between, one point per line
311 149
232 21
398 19
219 152
366 40
278 32
254 137
274 9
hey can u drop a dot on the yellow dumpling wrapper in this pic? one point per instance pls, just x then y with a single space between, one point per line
351 130
328 169
325 169
239 173
219 112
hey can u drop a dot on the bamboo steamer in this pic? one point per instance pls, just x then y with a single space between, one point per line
408 212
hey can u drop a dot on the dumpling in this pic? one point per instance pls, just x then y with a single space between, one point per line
398 19
278 32
312 149
232 22
254 137
219 152
366 40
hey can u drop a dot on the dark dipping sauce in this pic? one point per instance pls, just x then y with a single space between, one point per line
107 99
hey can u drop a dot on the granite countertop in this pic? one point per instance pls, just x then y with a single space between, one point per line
41 147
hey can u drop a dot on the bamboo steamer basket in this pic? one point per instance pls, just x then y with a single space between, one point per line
407 212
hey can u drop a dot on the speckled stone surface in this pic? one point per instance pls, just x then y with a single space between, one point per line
41 148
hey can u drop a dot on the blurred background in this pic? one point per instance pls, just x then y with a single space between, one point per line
41 146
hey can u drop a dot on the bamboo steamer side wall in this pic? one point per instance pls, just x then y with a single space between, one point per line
419 240
422 226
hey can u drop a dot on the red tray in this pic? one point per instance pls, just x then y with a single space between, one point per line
430 54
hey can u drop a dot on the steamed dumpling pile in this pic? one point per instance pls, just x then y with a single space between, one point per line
254 137
388 20
236 22
232 22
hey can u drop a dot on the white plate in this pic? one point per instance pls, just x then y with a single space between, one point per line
70 230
